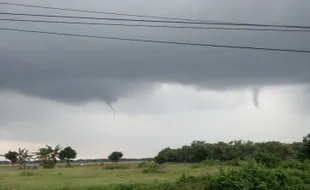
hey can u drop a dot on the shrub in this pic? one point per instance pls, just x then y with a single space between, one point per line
27 173
268 160
153 168
159 159
255 177
234 162
250 176
143 164
115 167
295 164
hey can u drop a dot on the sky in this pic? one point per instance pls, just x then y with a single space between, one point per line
65 90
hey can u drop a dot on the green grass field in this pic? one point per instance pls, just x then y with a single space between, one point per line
88 176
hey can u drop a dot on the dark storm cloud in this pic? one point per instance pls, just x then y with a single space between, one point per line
75 70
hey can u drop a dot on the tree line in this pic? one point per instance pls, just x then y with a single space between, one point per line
48 156
235 150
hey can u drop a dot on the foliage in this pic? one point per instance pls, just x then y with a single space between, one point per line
23 156
143 164
250 176
115 156
257 178
295 164
268 160
67 154
159 159
27 173
48 156
12 156
235 150
153 168
116 167
304 153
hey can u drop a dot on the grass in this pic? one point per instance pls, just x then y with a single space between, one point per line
86 177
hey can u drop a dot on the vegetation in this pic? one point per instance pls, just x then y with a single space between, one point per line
236 150
12 156
305 149
47 156
153 168
143 164
22 157
268 160
115 156
236 165
67 154
116 167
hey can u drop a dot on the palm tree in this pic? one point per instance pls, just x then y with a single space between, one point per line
48 155
22 157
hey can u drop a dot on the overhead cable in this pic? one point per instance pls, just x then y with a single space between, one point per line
152 21
158 41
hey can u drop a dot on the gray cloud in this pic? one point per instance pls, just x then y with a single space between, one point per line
74 70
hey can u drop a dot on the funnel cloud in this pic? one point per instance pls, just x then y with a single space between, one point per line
256 92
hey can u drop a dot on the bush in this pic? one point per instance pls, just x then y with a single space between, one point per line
48 164
115 167
143 164
268 160
251 176
235 162
255 177
153 168
159 159
27 173
295 164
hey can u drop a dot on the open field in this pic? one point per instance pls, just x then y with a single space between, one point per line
85 177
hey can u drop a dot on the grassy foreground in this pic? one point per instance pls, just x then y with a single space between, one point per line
93 177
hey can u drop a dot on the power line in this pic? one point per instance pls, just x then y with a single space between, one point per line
153 21
101 12
158 41
152 26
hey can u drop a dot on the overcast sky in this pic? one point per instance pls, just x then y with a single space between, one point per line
61 90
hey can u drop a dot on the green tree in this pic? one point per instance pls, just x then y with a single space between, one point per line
12 156
305 149
115 156
48 156
67 154
268 160
159 159
22 157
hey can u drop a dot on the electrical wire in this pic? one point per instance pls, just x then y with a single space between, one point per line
159 41
153 26
153 21
102 12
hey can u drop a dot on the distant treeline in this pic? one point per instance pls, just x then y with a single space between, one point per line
93 160
241 150
107 160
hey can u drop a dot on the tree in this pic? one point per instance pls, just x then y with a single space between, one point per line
48 156
159 159
67 154
115 156
305 149
22 157
12 156
267 159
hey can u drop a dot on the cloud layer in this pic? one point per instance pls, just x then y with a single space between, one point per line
74 70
